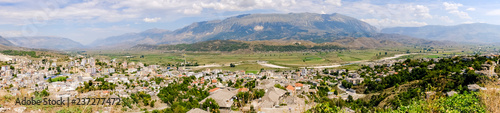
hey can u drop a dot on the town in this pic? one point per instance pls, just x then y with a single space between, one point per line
155 88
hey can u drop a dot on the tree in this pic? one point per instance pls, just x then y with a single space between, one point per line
350 99
211 105
152 104
232 65
346 84
243 96
323 108
43 93
259 93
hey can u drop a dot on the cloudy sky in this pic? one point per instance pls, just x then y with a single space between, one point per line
87 20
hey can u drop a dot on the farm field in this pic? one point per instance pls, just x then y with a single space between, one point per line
247 60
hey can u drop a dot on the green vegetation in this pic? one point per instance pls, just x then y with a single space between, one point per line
252 71
20 53
141 98
57 79
172 96
215 45
97 84
279 86
212 105
42 93
229 45
404 88
324 108
467 102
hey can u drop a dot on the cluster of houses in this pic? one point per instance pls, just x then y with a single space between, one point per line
35 75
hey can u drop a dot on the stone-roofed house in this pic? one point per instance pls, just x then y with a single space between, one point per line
272 97
197 110
223 97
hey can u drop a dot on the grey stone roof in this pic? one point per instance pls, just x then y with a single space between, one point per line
197 110
222 97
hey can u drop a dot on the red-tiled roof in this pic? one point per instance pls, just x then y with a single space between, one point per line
290 87
212 90
298 85
214 81
243 90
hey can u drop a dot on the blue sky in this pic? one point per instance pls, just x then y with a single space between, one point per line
87 20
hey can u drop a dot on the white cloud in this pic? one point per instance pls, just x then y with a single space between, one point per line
417 11
452 8
471 9
494 12
393 11
151 20
334 2
384 23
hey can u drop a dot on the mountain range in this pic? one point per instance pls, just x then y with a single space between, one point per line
467 33
317 28
44 42
250 27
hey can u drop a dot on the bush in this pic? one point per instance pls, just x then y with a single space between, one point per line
467 102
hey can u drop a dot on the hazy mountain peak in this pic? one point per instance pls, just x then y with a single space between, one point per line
5 42
45 42
155 30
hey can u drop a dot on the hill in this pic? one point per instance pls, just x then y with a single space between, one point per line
41 42
317 28
477 33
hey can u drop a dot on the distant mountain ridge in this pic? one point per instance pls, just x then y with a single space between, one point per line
476 33
250 27
45 42
130 39
5 42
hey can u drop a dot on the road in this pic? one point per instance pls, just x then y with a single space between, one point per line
264 63
354 95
